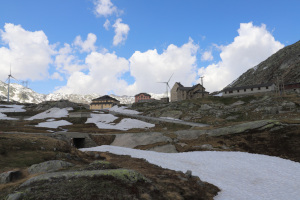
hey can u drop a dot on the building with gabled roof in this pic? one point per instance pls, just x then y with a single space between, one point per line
179 92
103 102
142 97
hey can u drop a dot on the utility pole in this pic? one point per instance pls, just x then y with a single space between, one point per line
202 85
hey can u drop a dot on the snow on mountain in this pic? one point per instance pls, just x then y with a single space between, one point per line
23 94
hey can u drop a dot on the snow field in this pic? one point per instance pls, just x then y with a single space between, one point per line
4 117
123 109
53 124
52 113
10 108
104 121
239 175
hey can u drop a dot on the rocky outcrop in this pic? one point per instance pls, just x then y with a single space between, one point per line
49 166
10 176
132 140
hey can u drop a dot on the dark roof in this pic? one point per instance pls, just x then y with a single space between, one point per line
105 97
180 85
189 88
185 88
143 94
200 91
247 87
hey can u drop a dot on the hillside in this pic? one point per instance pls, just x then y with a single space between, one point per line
283 64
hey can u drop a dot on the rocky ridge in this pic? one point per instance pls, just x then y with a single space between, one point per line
284 64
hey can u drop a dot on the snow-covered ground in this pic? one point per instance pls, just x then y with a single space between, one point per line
105 118
105 121
4 117
11 108
52 113
123 109
240 176
53 124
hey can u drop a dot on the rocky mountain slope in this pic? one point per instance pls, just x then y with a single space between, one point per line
284 64
23 94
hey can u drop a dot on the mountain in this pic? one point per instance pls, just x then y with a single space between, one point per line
284 64
23 94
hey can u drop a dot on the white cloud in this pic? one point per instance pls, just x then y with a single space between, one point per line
105 8
66 62
253 45
88 45
106 25
121 32
147 68
150 67
104 75
29 53
207 56
57 76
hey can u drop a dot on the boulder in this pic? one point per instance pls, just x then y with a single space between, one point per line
172 114
205 107
168 148
10 176
49 166
132 140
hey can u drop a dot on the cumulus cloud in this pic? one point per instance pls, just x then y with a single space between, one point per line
105 71
88 45
121 32
207 56
253 45
106 24
66 62
29 53
150 67
105 8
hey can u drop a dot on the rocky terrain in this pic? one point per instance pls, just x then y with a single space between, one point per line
41 167
285 65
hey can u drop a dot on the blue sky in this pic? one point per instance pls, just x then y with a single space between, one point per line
63 46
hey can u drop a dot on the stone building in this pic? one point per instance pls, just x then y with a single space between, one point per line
103 102
179 92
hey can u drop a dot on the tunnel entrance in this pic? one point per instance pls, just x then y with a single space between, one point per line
78 142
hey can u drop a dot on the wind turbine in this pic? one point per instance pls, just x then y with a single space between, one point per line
167 85
9 77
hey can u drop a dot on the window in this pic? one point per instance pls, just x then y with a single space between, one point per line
238 90
225 92
251 89
267 87
258 88
245 90
230 92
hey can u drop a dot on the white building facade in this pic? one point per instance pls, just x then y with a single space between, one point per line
251 89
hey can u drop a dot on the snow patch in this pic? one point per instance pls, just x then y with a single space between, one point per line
11 108
239 175
104 118
123 109
52 113
4 117
104 121
53 124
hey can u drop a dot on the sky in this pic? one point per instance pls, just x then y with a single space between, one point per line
127 47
